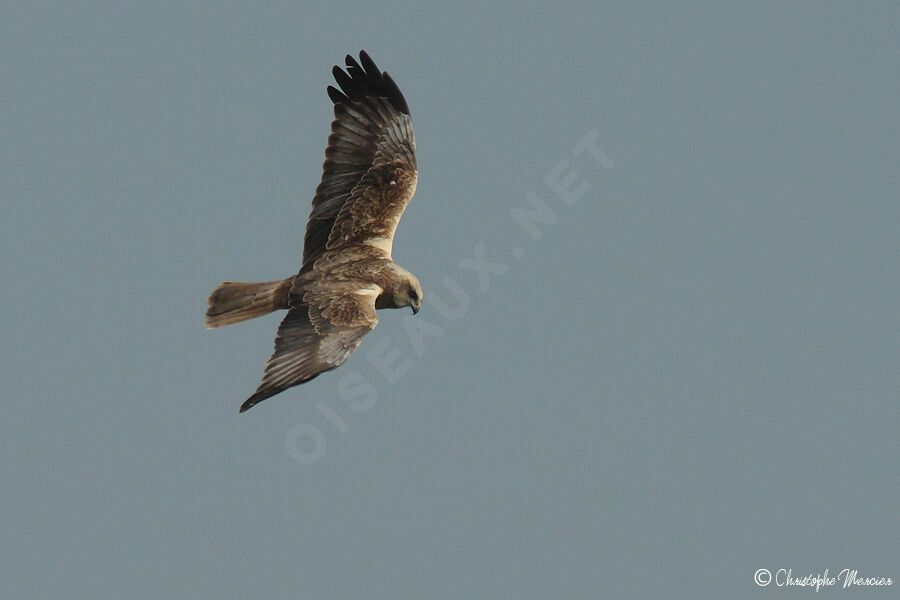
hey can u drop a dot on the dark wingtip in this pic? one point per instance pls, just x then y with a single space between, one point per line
395 94
361 80
252 401
351 62
336 95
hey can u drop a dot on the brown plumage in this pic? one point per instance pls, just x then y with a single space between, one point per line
368 178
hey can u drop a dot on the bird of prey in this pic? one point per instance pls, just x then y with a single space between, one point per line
368 178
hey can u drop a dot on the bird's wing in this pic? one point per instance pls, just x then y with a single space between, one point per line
317 336
371 144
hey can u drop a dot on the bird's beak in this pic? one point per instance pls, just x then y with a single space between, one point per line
416 308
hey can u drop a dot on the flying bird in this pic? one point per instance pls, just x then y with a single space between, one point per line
369 176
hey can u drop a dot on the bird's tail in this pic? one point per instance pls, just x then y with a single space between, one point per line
233 302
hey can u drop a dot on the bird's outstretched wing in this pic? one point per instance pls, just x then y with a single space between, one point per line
317 336
370 171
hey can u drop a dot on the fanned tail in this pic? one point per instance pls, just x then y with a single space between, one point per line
233 302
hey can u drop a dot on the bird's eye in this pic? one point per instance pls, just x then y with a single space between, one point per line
413 295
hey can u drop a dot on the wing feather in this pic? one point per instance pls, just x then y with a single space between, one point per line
371 134
315 337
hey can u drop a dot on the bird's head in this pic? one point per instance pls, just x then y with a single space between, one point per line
413 294
402 289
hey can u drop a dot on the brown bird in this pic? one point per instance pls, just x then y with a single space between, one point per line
368 178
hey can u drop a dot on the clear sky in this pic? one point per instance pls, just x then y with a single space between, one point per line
659 348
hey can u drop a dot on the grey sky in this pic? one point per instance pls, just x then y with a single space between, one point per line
690 375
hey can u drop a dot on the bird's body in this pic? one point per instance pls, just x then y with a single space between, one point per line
369 177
